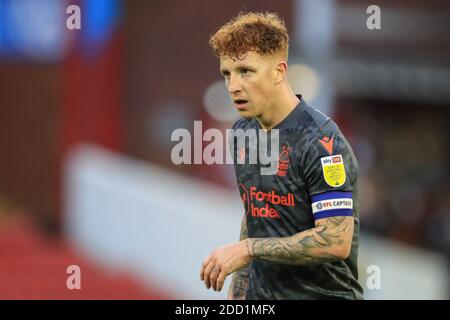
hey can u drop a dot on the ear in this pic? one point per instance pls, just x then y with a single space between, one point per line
281 71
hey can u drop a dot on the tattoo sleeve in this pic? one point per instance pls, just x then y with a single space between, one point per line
329 241
239 281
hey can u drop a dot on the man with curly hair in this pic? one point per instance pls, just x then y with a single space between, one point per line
299 233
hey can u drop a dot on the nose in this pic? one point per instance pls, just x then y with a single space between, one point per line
234 84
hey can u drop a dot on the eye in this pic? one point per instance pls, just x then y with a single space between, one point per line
245 71
226 74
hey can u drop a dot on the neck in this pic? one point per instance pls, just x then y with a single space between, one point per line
282 104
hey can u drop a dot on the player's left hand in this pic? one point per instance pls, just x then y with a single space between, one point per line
223 261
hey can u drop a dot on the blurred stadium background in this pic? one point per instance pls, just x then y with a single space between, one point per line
86 118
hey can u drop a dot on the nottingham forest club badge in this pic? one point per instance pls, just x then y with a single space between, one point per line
333 170
283 161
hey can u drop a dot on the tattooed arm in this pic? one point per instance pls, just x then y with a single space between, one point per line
330 240
239 282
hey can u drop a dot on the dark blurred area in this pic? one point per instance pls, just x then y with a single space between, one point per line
403 155
137 70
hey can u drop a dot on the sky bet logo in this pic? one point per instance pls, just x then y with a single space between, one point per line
337 159
332 160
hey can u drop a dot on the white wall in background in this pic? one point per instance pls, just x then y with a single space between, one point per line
406 272
130 215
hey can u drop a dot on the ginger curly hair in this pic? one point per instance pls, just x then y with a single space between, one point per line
264 33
